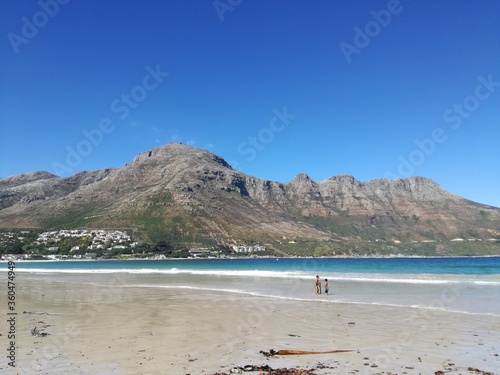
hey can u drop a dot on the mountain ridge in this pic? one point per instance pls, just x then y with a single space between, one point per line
185 194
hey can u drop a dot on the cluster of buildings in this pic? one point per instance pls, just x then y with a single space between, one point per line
88 242
246 249
13 235
100 238
238 249
91 243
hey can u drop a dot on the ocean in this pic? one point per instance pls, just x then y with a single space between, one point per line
469 285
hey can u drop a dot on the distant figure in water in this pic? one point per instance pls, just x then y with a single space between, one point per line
326 286
317 285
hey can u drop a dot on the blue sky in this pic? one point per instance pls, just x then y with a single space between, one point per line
369 88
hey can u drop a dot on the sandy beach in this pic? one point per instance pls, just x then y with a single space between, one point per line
90 329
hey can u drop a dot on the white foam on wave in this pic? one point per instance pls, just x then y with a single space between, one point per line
434 279
417 279
173 271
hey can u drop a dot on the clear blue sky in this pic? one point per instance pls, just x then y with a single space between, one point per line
368 88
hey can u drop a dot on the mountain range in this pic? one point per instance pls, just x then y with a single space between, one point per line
183 194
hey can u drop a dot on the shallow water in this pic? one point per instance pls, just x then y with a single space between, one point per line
468 285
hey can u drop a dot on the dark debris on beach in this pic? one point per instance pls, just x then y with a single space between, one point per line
266 370
477 371
470 370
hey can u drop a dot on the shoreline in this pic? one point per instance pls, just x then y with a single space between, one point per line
291 280
95 329
2 260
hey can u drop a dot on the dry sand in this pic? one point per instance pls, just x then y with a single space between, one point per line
119 330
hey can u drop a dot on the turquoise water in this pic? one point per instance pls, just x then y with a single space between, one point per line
455 265
466 285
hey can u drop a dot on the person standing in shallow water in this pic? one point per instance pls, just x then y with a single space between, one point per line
317 285
326 286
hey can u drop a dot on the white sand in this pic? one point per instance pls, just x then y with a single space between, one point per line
115 330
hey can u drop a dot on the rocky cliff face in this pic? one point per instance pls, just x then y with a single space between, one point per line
189 194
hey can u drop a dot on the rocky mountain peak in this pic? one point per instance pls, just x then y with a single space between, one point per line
175 152
25 178
341 179
302 177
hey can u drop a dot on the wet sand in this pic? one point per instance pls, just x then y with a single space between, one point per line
132 330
